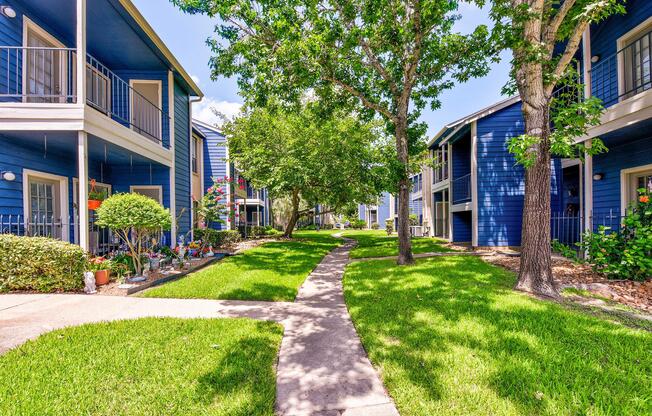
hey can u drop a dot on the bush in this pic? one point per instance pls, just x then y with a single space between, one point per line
327 226
40 264
626 254
389 226
217 238
358 224
413 220
375 226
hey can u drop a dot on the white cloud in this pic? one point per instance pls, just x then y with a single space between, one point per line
205 110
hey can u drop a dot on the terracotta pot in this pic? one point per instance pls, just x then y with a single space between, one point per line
102 277
94 204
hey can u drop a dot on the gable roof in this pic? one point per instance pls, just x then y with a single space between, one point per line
453 128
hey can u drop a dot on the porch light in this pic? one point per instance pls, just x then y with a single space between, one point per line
8 11
595 58
598 176
8 176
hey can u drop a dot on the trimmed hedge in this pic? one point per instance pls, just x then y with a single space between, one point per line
40 264
217 238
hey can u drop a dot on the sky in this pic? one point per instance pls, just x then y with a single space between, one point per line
185 35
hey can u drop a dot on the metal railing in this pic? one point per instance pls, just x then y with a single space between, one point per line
568 229
625 73
101 239
462 189
37 75
115 97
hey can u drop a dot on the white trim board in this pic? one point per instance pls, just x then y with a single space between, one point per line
624 184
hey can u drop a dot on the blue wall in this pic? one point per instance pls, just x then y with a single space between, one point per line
604 38
215 164
462 227
182 158
383 209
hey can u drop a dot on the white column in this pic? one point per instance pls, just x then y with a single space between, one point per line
588 188
81 53
586 61
449 162
82 172
474 184
426 196
173 211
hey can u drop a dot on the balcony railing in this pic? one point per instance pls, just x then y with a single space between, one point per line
37 75
625 73
48 75
462 189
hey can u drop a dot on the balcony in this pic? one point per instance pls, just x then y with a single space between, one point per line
624 74
462 189
48 75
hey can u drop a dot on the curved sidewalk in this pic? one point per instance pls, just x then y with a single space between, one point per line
323 369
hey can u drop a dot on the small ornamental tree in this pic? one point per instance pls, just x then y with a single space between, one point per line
214 205
134 218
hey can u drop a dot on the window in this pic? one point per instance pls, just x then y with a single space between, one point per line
440 170
631 181
153 191
146 114
635 60
194 154
45 204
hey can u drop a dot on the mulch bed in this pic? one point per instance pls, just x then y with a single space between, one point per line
568 274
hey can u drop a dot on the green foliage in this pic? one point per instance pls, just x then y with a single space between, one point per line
358 224
624 253
40 264
263 231
218 238
564 250
214 204
389 226
375 226
97 195
414 219
134 218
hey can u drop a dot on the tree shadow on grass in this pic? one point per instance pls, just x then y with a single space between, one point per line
245 371
457 318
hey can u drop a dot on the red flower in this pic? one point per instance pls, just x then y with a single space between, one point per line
644 199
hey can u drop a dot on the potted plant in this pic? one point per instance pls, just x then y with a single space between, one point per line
95 199
101 267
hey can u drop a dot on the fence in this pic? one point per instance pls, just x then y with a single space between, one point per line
462 189
101 239
568 228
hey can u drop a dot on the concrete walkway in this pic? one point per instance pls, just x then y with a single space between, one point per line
322 370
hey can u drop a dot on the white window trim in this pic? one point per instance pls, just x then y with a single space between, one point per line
75 198
63 195
622 41
159 104
159 187
625 185
30 25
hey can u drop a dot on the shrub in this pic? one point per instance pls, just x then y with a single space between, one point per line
257 231
40 264
358 224
413 219
626 254
134 218
564 250
375 226
218 238
327 226
389 226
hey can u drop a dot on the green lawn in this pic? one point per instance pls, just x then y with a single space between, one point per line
271 272
450 337
376 243
152 366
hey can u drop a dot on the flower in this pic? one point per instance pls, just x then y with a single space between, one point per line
644 199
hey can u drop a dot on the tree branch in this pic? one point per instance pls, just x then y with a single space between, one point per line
367 103
567 56
550 32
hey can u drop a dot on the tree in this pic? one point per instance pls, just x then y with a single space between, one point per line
392 56
304 156
134 218
544 36
214 205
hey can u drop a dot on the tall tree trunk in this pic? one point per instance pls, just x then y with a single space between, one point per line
535 275
295 215
404 242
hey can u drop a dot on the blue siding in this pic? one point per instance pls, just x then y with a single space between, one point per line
462 227
182 158
416 208
361 212
606 192
383 209
215 164
604 38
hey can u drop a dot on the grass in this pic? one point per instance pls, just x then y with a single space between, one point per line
150 366
273 272
376 243
450 337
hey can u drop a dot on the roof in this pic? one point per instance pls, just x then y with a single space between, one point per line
451 129
149 31
205 125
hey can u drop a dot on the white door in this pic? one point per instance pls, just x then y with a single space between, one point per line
146 116
45 68
44 208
